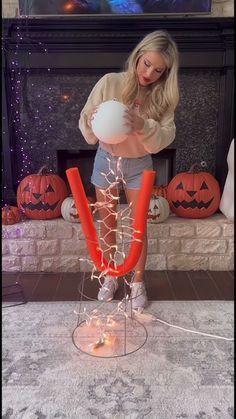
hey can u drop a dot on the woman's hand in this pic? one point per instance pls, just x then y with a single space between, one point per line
135 122
90 115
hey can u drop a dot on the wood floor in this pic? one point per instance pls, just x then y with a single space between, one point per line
161 285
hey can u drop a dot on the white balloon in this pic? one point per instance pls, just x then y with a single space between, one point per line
108 123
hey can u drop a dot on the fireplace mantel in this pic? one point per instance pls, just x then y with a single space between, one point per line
209 39
93 45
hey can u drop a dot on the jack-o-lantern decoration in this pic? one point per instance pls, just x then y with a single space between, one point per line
160 191
194 194
10 215
39 196
69 211
159 209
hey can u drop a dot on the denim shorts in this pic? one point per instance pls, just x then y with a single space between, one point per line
119 171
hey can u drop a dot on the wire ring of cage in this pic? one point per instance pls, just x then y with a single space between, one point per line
125 352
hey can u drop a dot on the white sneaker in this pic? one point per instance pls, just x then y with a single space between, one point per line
108 289
138 295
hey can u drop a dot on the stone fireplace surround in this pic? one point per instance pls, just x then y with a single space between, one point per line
176 244
79 52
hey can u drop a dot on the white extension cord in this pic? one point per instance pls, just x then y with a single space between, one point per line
147 316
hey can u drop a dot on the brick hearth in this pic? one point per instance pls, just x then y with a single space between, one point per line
176 244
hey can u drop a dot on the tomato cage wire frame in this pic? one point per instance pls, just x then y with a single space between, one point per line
110 329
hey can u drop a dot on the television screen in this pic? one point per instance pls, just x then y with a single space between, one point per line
78 7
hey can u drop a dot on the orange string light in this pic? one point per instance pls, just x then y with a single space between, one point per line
88 227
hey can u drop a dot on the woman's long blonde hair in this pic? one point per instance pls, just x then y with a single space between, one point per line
164 93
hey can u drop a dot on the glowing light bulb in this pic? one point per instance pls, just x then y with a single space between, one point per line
68 6
65 97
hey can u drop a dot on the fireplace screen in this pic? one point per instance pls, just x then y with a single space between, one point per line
163 164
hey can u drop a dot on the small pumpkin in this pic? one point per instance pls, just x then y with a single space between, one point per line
194 194
160 191
10 215
69 211
159 209
39 196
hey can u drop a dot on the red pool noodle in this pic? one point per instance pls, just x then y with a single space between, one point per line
88 227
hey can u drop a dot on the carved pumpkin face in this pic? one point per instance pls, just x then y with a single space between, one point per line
40 196
159 209
69 211
193 195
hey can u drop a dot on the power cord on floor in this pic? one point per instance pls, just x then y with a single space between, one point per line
148 316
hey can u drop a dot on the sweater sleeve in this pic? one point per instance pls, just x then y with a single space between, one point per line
94 99
158 135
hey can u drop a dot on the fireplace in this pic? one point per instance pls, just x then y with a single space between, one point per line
163 164
53 87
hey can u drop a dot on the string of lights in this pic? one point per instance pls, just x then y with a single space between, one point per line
24 117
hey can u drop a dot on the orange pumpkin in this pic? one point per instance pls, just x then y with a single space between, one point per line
160 191
10 215
194 194
39 196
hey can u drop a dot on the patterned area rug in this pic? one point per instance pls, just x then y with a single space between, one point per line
176 374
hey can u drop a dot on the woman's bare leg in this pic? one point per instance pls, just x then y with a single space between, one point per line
132 196
107 214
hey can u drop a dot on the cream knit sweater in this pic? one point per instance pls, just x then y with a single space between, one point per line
155 135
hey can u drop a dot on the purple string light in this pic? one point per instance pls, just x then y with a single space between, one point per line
22 134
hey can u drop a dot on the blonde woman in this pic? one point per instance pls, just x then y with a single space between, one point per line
149 86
